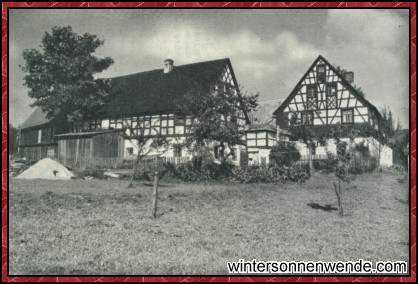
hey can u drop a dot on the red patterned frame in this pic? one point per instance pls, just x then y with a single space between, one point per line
409 5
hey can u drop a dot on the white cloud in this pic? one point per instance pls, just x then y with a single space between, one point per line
374 44
261 65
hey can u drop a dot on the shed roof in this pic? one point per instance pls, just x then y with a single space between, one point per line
87 134
261 127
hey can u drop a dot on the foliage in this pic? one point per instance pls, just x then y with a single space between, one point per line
214 112
362 149
272 174
194 171
360 164
343 157
385 134
284 154
60 77
12 139
326 164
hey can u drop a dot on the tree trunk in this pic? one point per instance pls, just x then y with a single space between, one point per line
311 169
339 197
135 170
155 196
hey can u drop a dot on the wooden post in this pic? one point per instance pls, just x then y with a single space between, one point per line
338 192
155 196
310 158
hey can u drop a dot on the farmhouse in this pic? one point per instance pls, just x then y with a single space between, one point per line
149 100
325 97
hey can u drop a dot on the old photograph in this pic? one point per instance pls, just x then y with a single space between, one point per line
208 142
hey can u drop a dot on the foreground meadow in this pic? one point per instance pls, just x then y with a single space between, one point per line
102 227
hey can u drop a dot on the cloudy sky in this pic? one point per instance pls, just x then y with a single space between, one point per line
270 49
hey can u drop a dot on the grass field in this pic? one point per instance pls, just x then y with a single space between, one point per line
101 227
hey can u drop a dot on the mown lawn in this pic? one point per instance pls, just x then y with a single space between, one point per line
101 227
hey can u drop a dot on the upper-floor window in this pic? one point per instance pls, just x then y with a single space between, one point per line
311 91
320 74
332 95
312 96
347 116
331 89
307 118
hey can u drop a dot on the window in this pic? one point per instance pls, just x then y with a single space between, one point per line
39 135
307 118
347 116
320 73
312 96
115 123
180 120
331 90
332 96
95 124
105 124
129 151
167 124
177 150
311 90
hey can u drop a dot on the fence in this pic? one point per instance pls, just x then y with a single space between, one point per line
305 158
114 163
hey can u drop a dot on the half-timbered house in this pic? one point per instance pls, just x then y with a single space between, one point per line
325 97
151 101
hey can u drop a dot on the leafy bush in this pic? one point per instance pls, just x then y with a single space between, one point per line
284 154
360 165
272 174
326 164
197 171
362 149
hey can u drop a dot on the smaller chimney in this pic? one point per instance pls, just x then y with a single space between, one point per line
168 65
349 77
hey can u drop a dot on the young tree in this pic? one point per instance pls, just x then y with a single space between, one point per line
343 158
214 115
145 145
60 76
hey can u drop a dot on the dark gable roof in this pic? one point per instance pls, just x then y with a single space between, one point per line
343 81
152 92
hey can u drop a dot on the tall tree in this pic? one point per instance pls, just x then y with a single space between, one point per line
60 76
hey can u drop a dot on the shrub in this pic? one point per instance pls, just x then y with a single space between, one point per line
326 164
284 154
272 174
360 164
197 171
362 149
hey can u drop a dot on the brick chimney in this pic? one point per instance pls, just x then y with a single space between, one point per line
349 77
168 65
